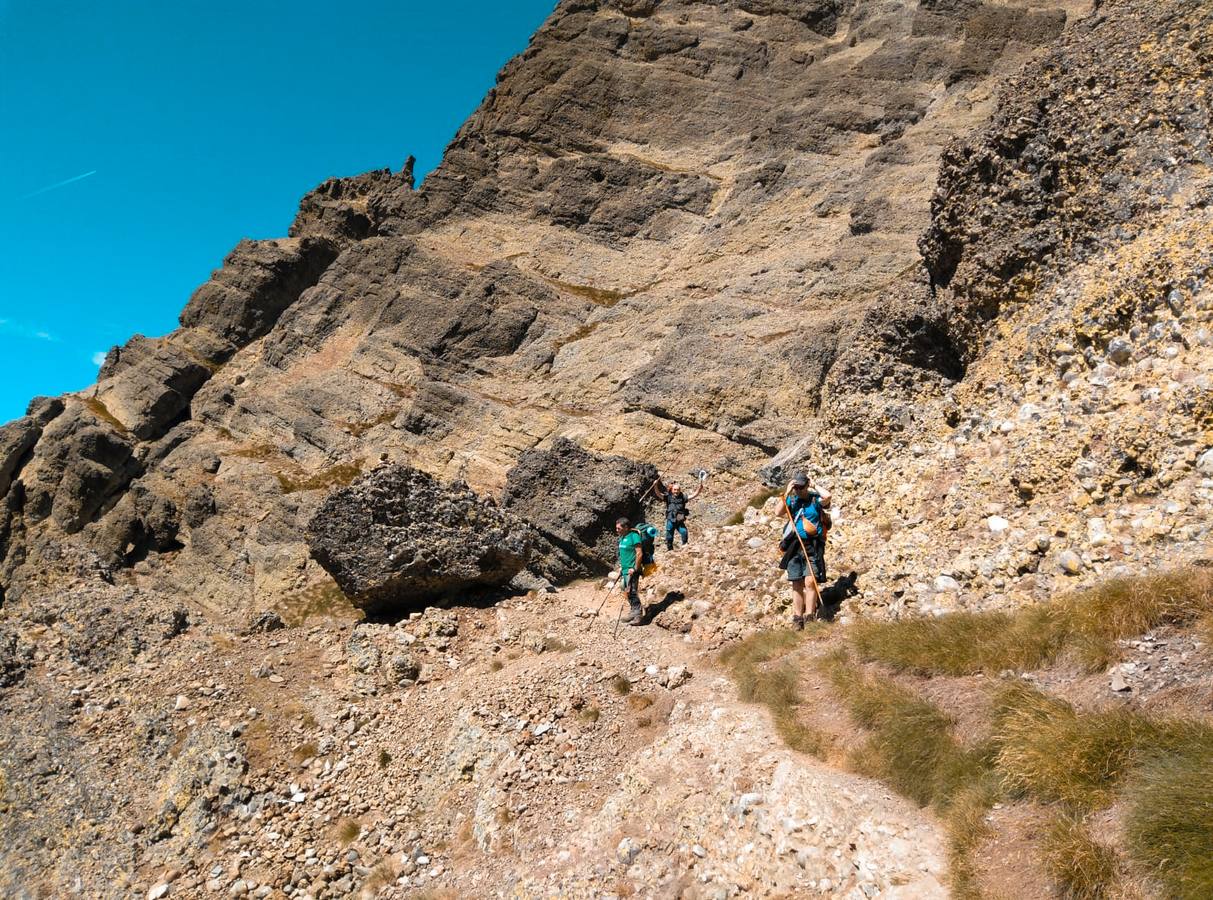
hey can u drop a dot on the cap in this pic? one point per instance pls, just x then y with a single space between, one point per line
800 480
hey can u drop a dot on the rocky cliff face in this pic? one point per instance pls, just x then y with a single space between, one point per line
673 231
952 256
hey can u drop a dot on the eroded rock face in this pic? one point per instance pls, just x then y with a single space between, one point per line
259 279
397 539
574 497
676 231
147 385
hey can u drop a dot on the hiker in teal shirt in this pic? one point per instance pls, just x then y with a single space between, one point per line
630 556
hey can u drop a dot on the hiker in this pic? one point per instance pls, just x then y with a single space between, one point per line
808 519
635 552
675 509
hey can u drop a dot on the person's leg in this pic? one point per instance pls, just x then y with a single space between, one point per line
682 530
815 574
814 598
635 610
797 570
669 534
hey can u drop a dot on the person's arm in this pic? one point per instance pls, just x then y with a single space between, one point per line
698 488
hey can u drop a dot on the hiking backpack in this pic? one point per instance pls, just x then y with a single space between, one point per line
648 542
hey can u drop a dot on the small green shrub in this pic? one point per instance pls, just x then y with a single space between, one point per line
757 501
620 685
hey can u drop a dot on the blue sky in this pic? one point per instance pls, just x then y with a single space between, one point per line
181 127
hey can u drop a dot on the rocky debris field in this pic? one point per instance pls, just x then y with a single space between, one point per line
503 751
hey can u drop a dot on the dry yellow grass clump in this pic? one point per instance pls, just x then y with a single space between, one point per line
1082 867
777 687
1085 626
1159 769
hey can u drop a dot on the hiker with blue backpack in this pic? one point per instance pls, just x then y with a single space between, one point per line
803 546
636 548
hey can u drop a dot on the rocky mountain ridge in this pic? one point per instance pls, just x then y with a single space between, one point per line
739 235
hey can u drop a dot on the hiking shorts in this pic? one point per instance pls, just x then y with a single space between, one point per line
798 568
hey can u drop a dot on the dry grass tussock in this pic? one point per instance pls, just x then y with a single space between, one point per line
1160 768
1082 868
1049 750
1085 625
762 677
1169 822
912 747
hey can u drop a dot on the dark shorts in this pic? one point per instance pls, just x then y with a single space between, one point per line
798 568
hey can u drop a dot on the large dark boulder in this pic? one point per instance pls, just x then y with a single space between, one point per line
574 497
397 539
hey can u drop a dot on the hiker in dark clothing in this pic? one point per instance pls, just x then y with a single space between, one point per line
805 531
675 509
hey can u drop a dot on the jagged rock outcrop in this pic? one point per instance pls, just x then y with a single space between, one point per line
574 497
677 231
1090 146
396 539
259 280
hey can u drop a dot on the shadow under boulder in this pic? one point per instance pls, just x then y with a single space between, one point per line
573 498
397 539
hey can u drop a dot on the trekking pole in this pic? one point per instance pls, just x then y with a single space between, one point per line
649 488
808 560
606 593
618 619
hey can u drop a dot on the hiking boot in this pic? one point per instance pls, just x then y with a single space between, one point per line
635 616
798 622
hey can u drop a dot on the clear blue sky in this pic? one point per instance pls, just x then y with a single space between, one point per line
201 123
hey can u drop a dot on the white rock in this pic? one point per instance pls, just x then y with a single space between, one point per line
627 851
946 583
676 676
699 851
1069 562
541 730
1119 684
1204 463
183 702
997 524
1097 532
157 891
